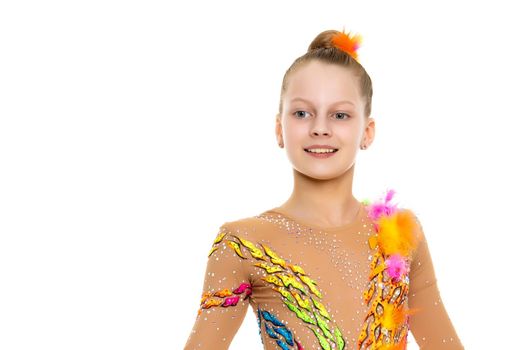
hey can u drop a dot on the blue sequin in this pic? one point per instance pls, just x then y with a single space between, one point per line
270 332
282 344
286 334
269 317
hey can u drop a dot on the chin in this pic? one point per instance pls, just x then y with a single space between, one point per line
321 174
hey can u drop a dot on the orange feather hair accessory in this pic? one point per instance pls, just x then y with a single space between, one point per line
347 43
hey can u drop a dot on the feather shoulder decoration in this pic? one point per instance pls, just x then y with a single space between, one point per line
397 235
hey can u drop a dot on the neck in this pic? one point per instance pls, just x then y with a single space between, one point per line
328 202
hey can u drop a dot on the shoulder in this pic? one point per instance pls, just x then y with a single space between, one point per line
413 216
412 213
240 238
395 221
249 226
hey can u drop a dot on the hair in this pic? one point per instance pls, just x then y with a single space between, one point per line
322 49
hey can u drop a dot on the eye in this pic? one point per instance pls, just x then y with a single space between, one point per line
341 113
295 113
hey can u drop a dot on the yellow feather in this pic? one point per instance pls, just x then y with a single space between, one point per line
398 233
393 316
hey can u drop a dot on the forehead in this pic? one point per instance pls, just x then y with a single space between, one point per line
322 82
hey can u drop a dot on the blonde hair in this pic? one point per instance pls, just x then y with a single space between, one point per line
322 49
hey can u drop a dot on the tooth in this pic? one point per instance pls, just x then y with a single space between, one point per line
317 150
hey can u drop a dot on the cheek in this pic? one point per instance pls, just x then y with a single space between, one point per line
349 133
295 131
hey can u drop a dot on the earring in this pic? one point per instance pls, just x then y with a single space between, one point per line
281 144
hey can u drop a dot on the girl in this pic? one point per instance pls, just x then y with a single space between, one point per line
324 270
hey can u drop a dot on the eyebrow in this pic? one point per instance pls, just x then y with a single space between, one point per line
335 103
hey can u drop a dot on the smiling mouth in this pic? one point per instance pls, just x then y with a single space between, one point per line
322 152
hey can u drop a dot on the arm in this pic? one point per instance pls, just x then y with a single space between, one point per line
430 324
224 300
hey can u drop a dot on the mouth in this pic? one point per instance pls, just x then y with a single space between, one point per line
321 151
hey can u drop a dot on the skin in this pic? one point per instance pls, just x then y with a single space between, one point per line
322 191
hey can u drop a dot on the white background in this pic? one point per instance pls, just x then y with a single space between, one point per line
131 130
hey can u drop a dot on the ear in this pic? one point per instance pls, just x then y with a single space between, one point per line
278 129
370 131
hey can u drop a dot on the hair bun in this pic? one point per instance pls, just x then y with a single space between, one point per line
340 40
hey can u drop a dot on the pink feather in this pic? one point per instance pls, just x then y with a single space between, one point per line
396 266
380 208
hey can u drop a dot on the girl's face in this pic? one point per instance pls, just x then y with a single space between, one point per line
322 106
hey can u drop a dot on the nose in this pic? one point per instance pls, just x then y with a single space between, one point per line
320 127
